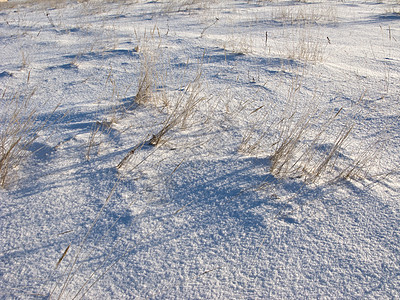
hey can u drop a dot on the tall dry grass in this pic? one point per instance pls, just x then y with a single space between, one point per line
19 129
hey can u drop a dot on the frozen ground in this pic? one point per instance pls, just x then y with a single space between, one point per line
204 214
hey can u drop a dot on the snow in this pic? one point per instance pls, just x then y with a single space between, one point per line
98 212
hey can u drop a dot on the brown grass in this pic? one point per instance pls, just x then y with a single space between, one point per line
18 131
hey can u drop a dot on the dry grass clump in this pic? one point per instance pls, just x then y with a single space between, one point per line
41 3
149 77
318 155
307 143
181 110
93 140
17 132
301 151
180 105
187 6
252 138
305 14
239 44
180 114
312 145
306 48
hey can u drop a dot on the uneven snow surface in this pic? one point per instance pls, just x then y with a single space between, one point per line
276 171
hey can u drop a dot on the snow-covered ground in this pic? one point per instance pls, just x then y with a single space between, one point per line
276 171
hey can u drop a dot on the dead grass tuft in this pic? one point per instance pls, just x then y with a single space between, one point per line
18 131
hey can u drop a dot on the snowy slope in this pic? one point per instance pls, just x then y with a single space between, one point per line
96 211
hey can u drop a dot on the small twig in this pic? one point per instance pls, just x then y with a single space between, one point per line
65 232
130 153
206 272
256 110
62 257
209 26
